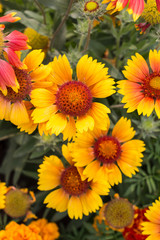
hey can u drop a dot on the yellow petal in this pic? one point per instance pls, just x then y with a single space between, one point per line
57 123
123 130
34 59
84 123
58 200
75 208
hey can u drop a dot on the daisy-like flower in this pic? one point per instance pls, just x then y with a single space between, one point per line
14 41
12 105
135 7
69 106
152 227
141 90
74 194
3 190
102 152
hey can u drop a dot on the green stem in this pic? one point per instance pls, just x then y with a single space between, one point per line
88 36
62 23
42 11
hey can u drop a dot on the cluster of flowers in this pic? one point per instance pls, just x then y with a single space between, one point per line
46 96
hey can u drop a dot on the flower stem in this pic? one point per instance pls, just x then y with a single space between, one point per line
42 11
88 36
62 23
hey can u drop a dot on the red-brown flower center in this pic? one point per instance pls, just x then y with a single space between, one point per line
151 86
71 182
107 149
74 98
24 81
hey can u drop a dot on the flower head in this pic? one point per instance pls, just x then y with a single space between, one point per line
74 194
117 213
141 90
68 106
13 104
152 226
103 152
17 202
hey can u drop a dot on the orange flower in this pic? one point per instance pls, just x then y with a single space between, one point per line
141 90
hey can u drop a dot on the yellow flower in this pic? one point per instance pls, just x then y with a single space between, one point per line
74 194
12 105
68 105
48 230
152 226
103 152
3 190
141 90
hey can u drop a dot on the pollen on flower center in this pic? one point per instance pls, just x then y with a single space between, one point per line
91 6
150 12
107 149
24 81
151 86
71 182
155 82
119 213
1 42
74 98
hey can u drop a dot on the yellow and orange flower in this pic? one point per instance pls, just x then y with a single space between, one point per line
135 7
141 90
102 152
12 105
152 226
74 194
68 106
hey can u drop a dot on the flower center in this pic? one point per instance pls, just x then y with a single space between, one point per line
150 12
74 98
1 42
24 80
155 83
91 6
17 203
119 213
71 182
151 86
107 149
